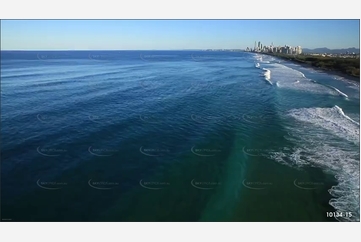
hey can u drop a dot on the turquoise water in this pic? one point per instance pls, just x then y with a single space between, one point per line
176 136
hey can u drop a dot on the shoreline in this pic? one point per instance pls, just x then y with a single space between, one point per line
327 71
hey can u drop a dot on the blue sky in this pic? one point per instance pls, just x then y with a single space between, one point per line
175 34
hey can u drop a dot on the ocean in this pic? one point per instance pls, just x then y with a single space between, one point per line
181 136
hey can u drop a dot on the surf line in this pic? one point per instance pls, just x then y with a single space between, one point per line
338 91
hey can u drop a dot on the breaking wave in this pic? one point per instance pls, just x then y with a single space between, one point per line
290 78
331 143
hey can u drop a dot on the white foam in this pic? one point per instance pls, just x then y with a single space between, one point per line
353 84
354 87
267 75
258 57
347 117
303 75
329 141
334 160
267 72
286 77
338 91
331 119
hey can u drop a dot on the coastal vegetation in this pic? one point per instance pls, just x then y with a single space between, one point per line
348 66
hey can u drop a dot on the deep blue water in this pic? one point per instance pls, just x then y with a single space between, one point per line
175 136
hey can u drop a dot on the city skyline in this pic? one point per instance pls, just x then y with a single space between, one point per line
286 49
175 34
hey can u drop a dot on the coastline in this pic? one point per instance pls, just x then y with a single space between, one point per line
328 71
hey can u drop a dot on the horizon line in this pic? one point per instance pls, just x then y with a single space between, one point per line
162 49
